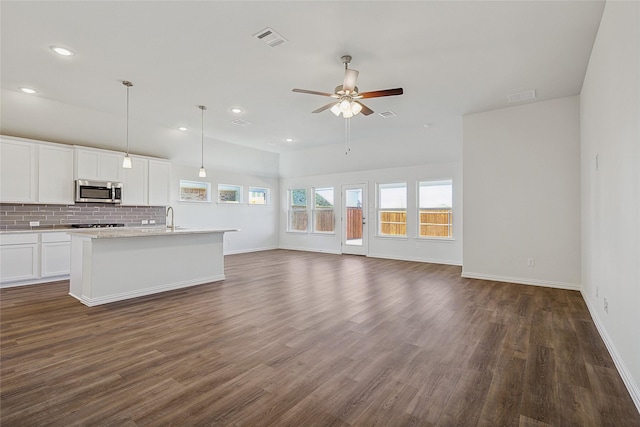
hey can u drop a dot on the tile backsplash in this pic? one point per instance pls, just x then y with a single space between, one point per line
17 216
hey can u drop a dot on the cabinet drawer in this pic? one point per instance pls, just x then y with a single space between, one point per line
55 237
18 239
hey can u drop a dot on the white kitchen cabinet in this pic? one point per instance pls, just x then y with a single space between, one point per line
19 260
55 254
159 176
18 173
136 183
55 174
98 165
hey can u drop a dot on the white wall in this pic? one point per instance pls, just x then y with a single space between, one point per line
258 224
430 250
521 168
440 143
610 132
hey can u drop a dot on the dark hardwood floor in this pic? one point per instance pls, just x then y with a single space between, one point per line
307 339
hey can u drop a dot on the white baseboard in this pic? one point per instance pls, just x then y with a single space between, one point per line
293 248
632 387
246 251
148 291
522 281
427 260
38 281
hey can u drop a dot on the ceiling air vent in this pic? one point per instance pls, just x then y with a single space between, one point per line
240 122
522 96
387 114
270 37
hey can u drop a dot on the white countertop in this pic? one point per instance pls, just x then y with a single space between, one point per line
118 232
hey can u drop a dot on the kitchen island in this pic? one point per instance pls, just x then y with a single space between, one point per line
110 265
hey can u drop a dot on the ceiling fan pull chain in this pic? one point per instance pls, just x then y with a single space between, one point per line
347 136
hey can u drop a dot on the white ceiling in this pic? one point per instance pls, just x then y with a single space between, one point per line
451 58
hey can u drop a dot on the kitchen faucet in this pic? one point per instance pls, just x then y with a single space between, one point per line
172 226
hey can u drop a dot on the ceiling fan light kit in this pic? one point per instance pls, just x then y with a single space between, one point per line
347 95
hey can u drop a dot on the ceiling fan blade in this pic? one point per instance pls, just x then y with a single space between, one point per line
379 93
312 92
365 110
350 77
326 107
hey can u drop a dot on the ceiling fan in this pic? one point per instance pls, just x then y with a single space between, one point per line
347 96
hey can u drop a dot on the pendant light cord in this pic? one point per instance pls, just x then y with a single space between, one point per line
202 138
127 119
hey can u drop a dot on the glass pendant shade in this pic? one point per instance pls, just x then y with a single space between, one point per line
336 109
345 106
202 173
126 162
356 107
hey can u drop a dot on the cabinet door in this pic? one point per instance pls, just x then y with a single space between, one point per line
96 165
159 183
135 182
18 262
56 259
55 174
87 165
110 167
17 172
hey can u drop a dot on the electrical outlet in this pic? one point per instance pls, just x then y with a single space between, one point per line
606 306
152 221
145 222
417 245
530 262
34 223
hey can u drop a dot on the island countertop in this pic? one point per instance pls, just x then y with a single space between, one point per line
116 232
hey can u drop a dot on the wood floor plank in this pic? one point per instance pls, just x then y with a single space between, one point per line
307 339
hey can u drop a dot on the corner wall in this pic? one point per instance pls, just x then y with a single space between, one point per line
610 151
521 180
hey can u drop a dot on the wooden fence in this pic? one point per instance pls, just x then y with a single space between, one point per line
433 223
354 223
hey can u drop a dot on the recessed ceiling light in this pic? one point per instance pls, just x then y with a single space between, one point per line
62 51
182 128
28 90
236 110
289 139
427 125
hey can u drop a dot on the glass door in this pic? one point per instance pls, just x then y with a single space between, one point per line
354 221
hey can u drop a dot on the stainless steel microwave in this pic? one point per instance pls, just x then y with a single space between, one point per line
98 191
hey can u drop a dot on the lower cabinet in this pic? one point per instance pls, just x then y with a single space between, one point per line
27 258
55 254
19 257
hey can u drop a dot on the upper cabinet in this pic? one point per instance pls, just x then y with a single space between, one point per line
55 174
136 183
44 172
159 172
98 165
18 171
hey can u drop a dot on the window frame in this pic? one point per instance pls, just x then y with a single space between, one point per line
419 209
291 210
380 210
230 187
267 195
316 209
186 184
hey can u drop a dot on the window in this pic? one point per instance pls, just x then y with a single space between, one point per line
435 208
323 211
392 209
258 196
229 193
195 191
298 216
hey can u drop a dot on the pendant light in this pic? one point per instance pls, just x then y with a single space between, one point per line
203 172
126 162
